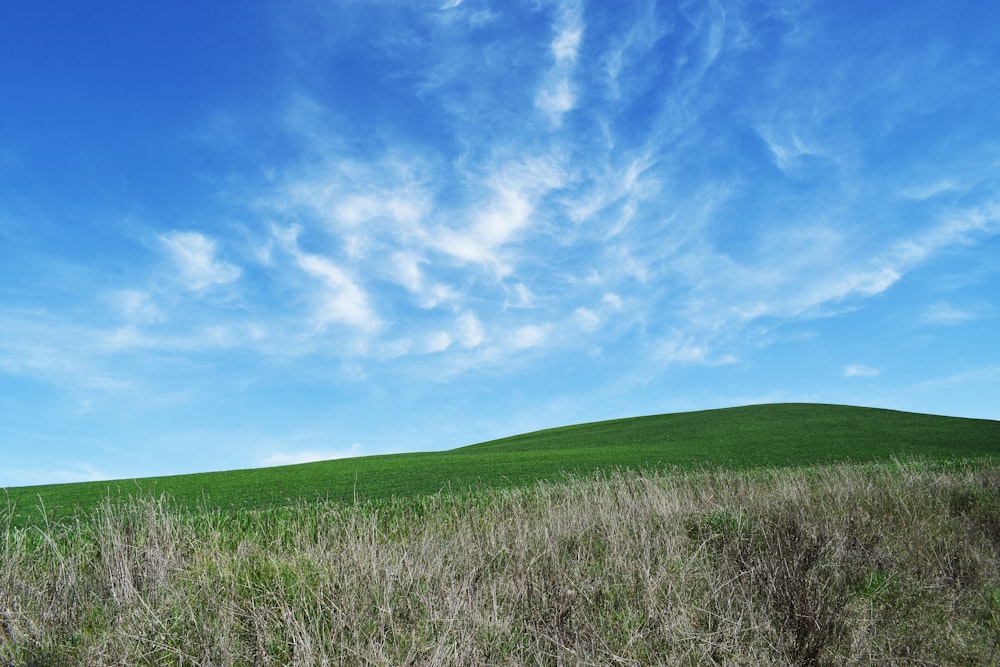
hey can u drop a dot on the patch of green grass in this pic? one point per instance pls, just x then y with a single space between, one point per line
733 438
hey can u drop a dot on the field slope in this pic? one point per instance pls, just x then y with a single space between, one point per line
745 437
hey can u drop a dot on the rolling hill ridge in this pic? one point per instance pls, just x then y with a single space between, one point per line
790 434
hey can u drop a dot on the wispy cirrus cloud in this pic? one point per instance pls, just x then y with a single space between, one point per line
285 457
55 349
469 330
954 227
66 474
195 256
861 371
985 375
556 95
340 299
510 195
138 306
947 314
788 148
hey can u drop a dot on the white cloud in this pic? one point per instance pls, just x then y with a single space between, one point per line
586 318
437 342
343 301
556 99
566 44
956 228
515 187
787 146
67 474
436 294
285 458
989 374
385 195
394 349
139 306
555 96
679 348
929 190
494 227
612 300
624 53
841 285
470 330
356 209
522 297
529 336
861 371
194 254
947 314
58 351
407 268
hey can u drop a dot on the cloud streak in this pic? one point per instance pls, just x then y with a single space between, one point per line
68 474
861 371
943 313
195 257
341 300
284 458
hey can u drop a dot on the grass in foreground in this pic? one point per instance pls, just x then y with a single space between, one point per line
832 565
737 438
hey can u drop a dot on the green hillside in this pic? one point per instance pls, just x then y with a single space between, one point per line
744 437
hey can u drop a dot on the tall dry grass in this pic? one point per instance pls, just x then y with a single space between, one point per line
842 565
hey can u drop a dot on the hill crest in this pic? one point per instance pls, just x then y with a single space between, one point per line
778 434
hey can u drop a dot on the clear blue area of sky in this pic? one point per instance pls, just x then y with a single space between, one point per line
238 234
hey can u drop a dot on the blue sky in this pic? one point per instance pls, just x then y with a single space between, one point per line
245 234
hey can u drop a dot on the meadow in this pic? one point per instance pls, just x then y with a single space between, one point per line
846 564
814 551
731 438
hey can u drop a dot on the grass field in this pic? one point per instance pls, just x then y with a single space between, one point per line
802 535
733 438
844 564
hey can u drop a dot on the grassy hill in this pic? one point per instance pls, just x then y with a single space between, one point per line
744 437
754 557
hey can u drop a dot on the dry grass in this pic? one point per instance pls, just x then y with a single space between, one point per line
841 565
